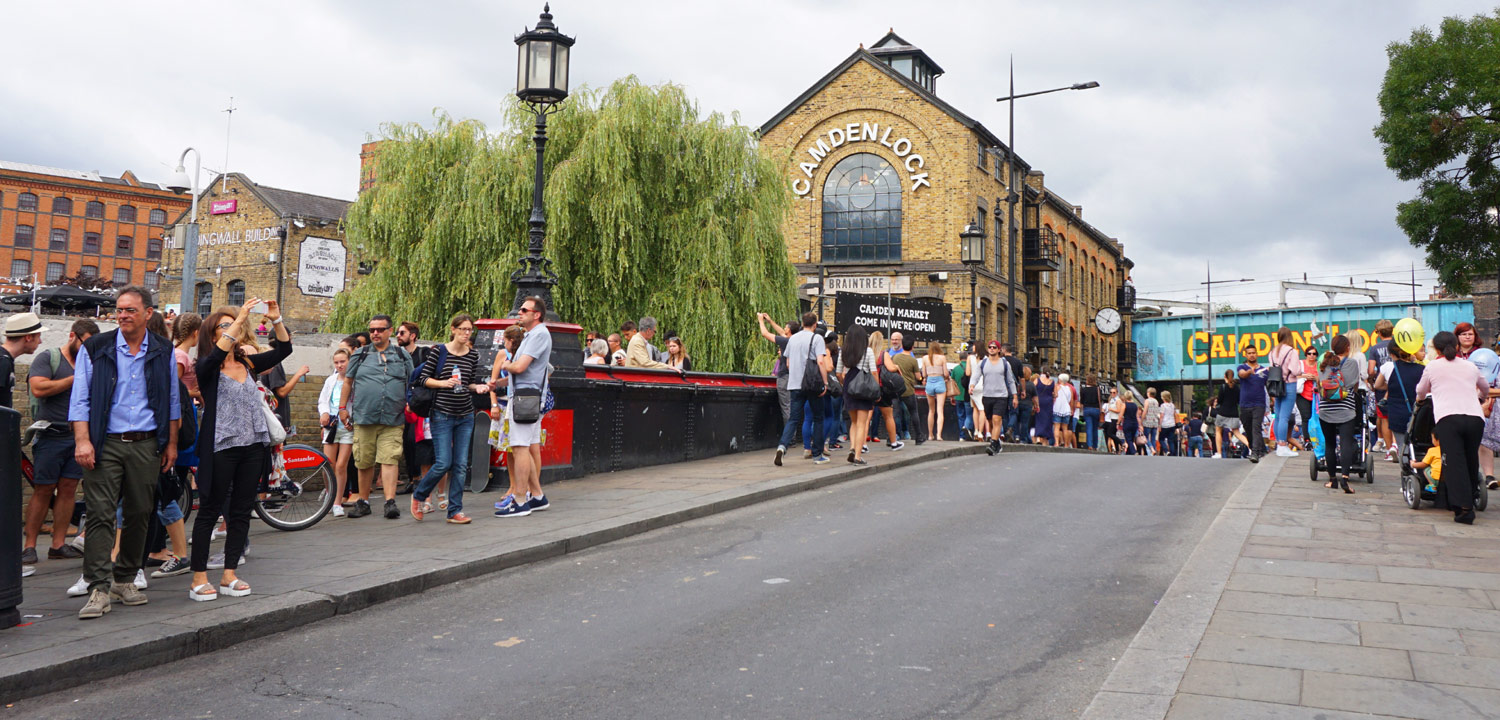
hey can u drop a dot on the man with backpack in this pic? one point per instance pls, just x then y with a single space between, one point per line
55 479
808 366
999 387
374 399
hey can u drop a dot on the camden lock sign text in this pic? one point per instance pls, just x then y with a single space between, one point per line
861 132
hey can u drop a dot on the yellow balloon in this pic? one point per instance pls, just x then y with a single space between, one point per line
1409 335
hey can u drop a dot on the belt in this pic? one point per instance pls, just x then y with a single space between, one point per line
133 436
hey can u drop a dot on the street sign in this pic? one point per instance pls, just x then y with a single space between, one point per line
1414 312
917 319
866 284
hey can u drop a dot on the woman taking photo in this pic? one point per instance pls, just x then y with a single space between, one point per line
1338 378
233 438
1284 360
1457 389
935 370
452 370
338 436
858 359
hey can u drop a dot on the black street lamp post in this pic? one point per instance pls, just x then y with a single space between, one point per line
541 83
972 254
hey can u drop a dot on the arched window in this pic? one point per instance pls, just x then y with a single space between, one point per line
204 298
94 209
126 213
54 272
236 290
158 217
862 211
25 236
62 206
27 201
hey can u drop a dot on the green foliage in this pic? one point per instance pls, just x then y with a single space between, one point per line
651 210
1440 110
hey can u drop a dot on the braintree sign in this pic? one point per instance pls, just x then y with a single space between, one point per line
321 266
861 132
920 320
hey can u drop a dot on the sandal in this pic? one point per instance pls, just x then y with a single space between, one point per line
442 505
1345 484
237 588
203 593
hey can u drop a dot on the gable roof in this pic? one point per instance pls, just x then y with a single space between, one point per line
863 55
286 203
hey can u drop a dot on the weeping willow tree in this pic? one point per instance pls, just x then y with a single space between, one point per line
651 210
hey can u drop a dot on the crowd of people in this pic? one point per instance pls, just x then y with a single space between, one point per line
146 415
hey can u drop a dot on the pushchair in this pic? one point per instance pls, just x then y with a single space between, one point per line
1364 462
1418 441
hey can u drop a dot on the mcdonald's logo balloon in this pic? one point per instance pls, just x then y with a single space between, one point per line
1409 335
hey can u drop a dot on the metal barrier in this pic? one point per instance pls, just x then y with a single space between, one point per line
10 517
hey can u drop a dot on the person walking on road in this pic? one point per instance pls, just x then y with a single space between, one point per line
1338 380
805 346
1457 390
1063 405
453 372
529 369
1130 424
1088 398
1227 422
125 411
1287 366
1252 382
1000 389
235 439
1151 425
374 400
1168 424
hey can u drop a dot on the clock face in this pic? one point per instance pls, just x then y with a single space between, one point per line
1108 320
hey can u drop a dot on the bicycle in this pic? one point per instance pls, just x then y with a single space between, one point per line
303 494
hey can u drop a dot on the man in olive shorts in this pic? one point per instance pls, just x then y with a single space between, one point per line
374 396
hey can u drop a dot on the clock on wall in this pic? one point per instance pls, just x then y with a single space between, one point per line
1108 320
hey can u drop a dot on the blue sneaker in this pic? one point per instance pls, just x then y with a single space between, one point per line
508 501
821 459
538 504
514 510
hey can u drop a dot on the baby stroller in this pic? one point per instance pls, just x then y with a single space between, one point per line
1365 437
1418 442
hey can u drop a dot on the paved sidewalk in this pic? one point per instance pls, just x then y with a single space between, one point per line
1331 606
343 565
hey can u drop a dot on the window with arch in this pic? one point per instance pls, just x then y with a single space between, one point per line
25 236
91 242
59 239
236 291
26 201
54 271
94 209
62 206
124 246
862 211
158 217
126 213
203 298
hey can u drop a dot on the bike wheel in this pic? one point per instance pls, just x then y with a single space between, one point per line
301 498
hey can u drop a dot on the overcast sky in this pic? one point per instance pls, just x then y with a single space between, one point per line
1236 133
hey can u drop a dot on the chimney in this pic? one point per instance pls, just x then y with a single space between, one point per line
367 153
1078 210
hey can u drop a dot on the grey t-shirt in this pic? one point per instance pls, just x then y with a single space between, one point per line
537 344
53 408
998 381
797 355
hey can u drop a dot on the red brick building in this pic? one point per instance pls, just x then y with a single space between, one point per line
59 223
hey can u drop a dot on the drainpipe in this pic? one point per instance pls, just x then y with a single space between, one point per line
282 232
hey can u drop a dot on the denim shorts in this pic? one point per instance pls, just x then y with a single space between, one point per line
52 457
1062 419
168 514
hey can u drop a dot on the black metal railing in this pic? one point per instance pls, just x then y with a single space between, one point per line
1042 328
1125 299
1039 250
1126 359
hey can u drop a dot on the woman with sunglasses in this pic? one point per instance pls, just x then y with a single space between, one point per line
233 439
1306 386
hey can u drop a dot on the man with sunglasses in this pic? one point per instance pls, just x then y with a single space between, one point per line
374 397
528 369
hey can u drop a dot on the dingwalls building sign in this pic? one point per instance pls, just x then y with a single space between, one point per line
861 132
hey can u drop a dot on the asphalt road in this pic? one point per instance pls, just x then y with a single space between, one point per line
969 588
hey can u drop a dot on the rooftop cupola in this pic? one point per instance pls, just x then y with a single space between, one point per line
907 59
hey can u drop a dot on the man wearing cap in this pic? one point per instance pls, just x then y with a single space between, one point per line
23 335
125 414
999 387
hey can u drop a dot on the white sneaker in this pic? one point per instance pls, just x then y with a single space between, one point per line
1286 452
28 570
77 542
80 588
140 579
1215 456
337 511
216 560
219 534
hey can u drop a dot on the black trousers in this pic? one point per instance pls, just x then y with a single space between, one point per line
236 478
1459 437
1340 437
1250 420
1169 441
916 423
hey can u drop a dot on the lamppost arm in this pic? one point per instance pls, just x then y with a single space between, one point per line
1075 86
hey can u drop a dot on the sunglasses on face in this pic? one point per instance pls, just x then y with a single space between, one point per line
379 329
225 325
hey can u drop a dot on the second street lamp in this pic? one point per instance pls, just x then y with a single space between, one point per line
972 254
542 83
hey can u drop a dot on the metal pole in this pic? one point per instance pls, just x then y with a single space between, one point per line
190 240
1010 217
1208 274
535 276
973 306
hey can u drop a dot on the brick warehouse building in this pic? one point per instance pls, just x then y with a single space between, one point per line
260 241
58 223
887 175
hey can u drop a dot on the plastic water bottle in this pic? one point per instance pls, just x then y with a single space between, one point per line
459 388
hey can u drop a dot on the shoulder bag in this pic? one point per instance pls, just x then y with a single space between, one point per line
419 397
892 384
1276 381
813 382
273 423
864 387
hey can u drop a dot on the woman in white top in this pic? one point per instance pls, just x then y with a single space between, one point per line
338 437
1062 414
1168 424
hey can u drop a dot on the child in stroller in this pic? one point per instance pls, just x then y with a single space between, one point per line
1430 467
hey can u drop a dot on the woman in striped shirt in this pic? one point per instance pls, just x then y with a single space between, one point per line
451 370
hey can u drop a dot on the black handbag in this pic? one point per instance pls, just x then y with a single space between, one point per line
813 382
864 387
835 388
526 405
420 397
892 384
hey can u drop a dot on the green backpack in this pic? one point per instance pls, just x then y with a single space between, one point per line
55 360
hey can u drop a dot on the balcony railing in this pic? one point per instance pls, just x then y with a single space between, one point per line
1042 328
1125 299
1126 359
1039 250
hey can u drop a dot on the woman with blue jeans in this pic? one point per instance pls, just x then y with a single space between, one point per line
1088 396
452 371
1285 359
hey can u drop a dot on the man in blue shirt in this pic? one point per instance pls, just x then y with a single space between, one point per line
528 371
1253 401
125 414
